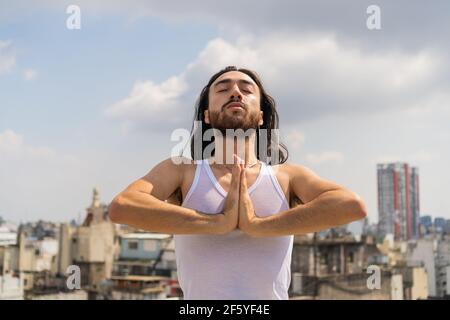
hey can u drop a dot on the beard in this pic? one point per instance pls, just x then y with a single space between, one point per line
225 119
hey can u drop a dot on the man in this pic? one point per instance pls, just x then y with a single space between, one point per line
234 229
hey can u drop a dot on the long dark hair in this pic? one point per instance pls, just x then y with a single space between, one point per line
270 120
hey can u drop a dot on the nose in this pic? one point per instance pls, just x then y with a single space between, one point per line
236 93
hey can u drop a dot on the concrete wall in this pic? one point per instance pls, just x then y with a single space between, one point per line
11 288
354 287
423 251
147 249
75 295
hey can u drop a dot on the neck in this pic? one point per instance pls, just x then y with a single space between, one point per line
243 147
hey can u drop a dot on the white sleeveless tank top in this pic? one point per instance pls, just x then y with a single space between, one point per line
234 265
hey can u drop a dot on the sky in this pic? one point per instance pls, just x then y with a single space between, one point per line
96 106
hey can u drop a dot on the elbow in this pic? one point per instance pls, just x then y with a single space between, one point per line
115 210
359 210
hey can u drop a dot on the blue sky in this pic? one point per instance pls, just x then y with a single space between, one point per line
81 72
96 106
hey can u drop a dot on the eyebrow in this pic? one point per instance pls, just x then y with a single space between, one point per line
226 81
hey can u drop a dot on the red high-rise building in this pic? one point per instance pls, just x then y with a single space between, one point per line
398 200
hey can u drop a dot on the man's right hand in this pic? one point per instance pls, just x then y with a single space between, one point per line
231 207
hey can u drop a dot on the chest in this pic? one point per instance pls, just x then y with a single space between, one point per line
223 179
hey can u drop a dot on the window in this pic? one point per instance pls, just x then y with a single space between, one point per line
324 259
350 257
132 245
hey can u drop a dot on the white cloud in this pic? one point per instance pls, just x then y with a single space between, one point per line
309 75
9 140
37 181
19 157
30 74
12 146
7 57
150 102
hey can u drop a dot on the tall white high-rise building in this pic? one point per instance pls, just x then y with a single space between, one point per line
398 200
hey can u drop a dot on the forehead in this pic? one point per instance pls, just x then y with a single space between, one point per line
234 76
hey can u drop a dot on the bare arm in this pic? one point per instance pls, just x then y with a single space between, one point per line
325 205
142 205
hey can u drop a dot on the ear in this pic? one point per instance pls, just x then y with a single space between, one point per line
206 113
261 121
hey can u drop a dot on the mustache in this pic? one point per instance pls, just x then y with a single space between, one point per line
243 105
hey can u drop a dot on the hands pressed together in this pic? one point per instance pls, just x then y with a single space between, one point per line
238 209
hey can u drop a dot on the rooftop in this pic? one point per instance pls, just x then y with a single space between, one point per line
152 236
140 278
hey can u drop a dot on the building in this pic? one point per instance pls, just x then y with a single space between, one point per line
339 268
325 256
145 254
432 227
447 289
8 250
439 225
40 257
421 253
11 286
74 295
8 235
447 227
348 287
333 267
442 262
11 282
31 260
415 282
398 200
140 287
92 247
40 229
155 248
37 255
432 254
426 223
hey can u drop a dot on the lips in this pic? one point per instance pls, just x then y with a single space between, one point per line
235 106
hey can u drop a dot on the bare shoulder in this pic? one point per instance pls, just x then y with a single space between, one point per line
170 167
290 170
184 170
281 171
164 178
295 170
305 183
290 176
283 179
